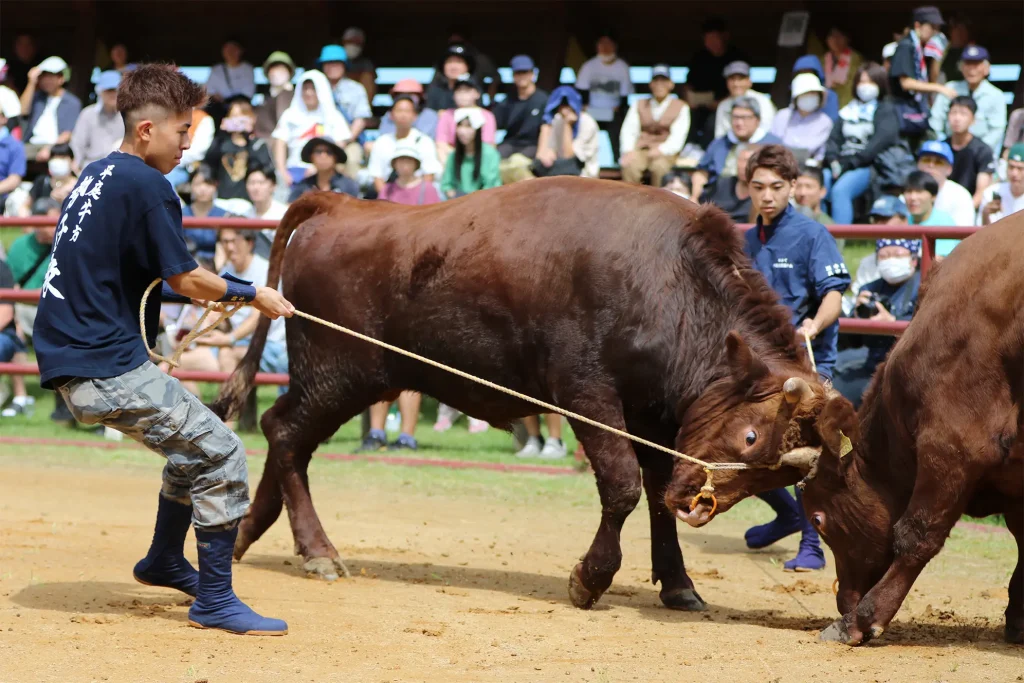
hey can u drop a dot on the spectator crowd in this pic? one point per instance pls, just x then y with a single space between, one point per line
917 136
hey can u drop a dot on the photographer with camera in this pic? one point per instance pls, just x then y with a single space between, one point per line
892 297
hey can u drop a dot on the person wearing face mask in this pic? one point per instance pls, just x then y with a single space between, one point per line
279 69
803 126
57 182
234 151
360 68
865 147
892 297
604 83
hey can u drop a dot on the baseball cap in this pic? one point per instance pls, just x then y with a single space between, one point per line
661 71
353 34
888 206
974 53
108 80
466 79
936 148
279 57
407 86
737 68
406 151
929 14
1017 152
889 50
522 63
53 65
332 53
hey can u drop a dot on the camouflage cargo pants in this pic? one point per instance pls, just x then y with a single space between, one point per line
205 460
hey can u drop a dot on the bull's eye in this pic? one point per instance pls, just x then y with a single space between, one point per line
751 437
818 520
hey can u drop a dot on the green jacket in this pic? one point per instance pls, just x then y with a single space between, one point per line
489 173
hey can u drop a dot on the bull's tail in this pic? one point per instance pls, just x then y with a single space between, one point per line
236 389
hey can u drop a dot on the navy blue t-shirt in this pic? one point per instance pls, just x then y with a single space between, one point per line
802 263
120 229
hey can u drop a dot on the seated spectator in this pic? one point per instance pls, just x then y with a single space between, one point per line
403 113
29 259
200 135
892 297
12 162
1002 199
720 158
604 84
426 118
260 185
473 164
51 111
887 210
325 155
908 78
678 183
203 190
990 118
568 143
520 115
406 185
732 193
457 62
484 70
12 348
467 96
1014 132
235 149
706 86
841 65
57 182
737 79
936 159
119 58
10 104
311 114
232 76
865 144
973 161
804 126
279 70
100 128
352 101
809 192
359 67
810 64
654 130
920 194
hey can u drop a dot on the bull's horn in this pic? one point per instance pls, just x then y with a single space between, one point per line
804 458
796 390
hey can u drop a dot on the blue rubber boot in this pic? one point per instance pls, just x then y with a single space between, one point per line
810 557
165 564
216 605
786 522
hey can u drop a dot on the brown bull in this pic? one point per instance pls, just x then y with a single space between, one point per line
940 435
609 300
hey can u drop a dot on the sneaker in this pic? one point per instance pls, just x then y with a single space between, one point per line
404 442
553 449
20 405
443 424
531 449
477 426
373 443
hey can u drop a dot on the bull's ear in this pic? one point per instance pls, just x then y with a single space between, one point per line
745 365
838 426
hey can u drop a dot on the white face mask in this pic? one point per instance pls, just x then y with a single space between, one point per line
867 92
896 269
808 102
59 167
353 50
278 77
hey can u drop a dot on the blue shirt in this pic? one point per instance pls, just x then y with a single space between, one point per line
943 220
713 160
901 301
12 160
802 263
120 229
205 239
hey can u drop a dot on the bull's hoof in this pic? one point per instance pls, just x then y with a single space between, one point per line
685 599
580 595
321 568
837 632
1013 635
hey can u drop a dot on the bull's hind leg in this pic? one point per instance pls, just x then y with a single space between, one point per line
618 483
1014 632
677 590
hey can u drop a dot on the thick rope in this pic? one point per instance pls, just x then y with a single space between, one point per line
197 330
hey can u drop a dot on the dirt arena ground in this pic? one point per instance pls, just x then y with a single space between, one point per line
457 576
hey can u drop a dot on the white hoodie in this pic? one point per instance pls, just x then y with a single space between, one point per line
298 125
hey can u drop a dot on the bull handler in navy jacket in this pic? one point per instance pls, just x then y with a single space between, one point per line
119 230
802 263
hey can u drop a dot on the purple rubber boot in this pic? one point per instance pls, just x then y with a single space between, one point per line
786 522
810 557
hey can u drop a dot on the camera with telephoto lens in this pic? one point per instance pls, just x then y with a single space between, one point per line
870 307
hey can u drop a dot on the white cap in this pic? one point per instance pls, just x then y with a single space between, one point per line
805 83
476 119
406 151
889 50
53 65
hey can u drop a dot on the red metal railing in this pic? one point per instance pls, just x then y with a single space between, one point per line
928 235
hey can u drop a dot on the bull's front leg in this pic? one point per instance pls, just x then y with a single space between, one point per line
618 483
677 590
1014 632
